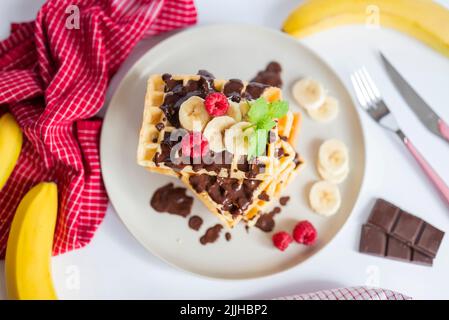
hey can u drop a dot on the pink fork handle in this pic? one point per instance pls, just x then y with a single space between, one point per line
428 170
444 129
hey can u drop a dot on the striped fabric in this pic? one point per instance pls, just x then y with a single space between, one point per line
352 293
54 73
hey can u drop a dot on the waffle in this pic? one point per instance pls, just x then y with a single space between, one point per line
288 166
227 208
156 130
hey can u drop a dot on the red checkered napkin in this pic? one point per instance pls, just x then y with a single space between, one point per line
354 293
54 73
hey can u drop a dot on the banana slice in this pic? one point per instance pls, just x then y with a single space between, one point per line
327 112
193 115
214 132
325 198
244 107
234 111
309 93
333 157
237 138
334 178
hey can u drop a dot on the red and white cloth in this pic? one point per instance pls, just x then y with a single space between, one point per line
353 293
54 73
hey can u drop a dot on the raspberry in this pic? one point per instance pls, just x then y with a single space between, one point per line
194 144
305 233
216 104
282 240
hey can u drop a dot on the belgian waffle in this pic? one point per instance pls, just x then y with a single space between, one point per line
157 129
232 199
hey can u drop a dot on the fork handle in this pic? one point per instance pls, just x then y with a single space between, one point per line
425 166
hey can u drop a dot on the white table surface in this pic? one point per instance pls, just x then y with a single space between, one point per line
115 266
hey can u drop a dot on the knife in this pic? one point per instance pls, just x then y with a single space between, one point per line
422 110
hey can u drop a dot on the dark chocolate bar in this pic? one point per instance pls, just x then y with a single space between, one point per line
415 232
376 242
393 233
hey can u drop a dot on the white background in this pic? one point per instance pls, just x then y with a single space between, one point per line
115 266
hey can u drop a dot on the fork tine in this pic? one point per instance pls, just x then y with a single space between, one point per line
371 83
362 89
358 91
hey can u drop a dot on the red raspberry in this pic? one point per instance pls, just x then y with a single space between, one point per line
305 233
282 240
216 104
194 144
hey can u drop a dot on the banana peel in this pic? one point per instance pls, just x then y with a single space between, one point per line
423 19
10 146
29 247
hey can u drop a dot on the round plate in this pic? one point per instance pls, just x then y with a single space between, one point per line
227 52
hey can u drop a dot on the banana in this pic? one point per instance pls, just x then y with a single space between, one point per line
234 111
329 176
324 198
10 146
425 20
333 157
327 112
244 108
29 247
309 93
214 132
237 138
193 115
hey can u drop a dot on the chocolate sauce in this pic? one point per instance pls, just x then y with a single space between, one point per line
254 90
235 196
228 236
251 168
264 196
177 93
211 234
195 223
233 89
160 126
172 199
266 220
271 76
284 200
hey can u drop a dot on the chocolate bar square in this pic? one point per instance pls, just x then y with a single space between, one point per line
407 227
383 215
430 240
397 249
373 240
419 258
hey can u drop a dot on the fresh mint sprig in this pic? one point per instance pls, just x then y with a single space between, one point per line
262 115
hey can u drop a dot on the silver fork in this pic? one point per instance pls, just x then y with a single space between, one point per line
371 100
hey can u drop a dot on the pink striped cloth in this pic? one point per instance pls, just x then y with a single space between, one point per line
54 73
352 293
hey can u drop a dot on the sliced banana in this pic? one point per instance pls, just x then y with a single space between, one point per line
193 115
333 156
334 178
309 93
214 132
237 138
244 107
325 198
327 112
234 111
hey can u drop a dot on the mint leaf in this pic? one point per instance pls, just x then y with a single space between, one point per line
278 109
258 110
262 136
257 143
252 145
266 124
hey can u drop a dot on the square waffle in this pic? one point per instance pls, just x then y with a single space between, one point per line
160 125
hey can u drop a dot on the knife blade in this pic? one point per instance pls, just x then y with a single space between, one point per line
421 109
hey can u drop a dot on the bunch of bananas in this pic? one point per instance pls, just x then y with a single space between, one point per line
423 19
30 241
